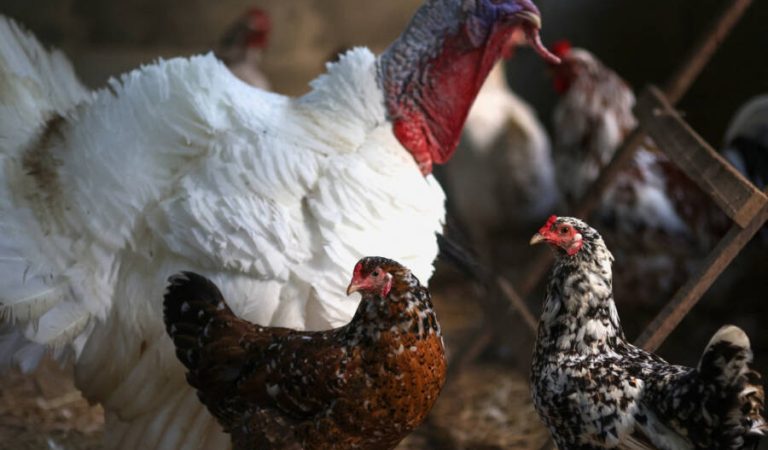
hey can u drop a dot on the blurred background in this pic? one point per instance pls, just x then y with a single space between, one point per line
487 404
643 41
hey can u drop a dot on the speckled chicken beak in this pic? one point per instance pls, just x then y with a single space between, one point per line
537 239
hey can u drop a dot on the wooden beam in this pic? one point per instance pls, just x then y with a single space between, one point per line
689 294
733 193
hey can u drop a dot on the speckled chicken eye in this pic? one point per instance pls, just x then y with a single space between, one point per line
563 230
375 273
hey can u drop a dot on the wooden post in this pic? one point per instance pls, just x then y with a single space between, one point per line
708 43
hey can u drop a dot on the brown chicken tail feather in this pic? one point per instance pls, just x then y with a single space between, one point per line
191 305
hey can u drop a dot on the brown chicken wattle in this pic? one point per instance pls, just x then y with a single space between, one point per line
364 385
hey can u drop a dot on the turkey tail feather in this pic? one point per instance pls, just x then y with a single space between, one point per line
36 84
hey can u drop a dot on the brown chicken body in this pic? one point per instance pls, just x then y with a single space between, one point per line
364 385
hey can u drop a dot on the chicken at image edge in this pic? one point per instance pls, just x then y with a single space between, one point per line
593 389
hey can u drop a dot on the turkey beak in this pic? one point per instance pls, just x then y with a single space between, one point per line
532 25
537 239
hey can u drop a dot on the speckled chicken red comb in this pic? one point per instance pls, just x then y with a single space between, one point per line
552 219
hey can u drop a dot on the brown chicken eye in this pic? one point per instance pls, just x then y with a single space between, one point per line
563 230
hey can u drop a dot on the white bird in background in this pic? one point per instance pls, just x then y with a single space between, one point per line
178 167
503 176
746 144
746 140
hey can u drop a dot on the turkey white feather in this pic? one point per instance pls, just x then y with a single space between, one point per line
179 165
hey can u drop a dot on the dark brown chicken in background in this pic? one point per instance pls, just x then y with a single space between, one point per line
364 385
242 46
657 220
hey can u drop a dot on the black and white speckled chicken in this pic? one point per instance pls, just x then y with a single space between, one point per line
364 385
595 390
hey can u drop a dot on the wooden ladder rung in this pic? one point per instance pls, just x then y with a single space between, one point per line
729 189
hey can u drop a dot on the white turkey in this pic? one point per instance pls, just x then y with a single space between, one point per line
180 166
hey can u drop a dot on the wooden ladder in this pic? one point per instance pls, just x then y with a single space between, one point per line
735 195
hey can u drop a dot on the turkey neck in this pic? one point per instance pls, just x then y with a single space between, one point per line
431 75
579 314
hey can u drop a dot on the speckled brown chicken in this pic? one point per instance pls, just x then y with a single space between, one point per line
364 385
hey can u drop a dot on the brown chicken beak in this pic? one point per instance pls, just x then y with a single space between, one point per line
537 239
352 288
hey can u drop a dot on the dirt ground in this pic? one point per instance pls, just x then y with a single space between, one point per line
486 406
44 410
